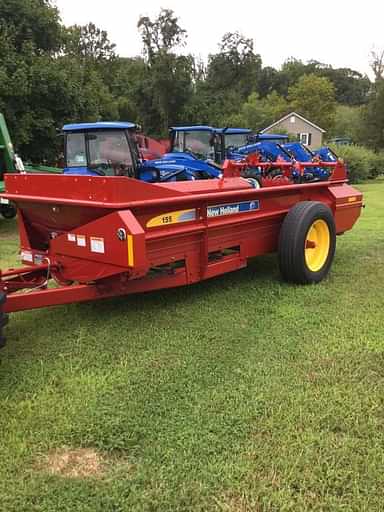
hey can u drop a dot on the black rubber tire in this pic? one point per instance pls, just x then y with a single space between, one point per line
292 241
8 212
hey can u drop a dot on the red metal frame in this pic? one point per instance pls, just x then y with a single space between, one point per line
99 237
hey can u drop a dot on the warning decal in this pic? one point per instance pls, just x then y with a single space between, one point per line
97 245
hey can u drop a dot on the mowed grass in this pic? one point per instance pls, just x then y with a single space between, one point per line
242 393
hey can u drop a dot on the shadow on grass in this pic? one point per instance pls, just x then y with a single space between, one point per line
48 330
8 228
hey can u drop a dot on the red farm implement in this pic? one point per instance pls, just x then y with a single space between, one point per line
88 237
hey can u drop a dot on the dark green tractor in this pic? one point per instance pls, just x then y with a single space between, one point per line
7 163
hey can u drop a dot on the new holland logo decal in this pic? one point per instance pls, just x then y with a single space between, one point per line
219 210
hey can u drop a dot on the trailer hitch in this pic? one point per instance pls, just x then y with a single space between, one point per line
3 318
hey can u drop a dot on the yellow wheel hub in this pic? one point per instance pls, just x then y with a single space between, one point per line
317 244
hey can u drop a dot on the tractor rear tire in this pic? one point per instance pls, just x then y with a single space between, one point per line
307 243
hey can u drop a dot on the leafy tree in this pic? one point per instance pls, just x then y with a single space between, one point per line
268 81
257 113
351 87
88 42
167 85
162 35
231 75
314 97
377 64
373 118
125 84
35 22
30 32
236 67
51 88
348 122
73 74
373 113
290 72
60 92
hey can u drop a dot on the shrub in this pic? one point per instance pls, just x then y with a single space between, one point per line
362 163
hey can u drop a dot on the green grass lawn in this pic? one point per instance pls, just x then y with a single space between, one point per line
239 394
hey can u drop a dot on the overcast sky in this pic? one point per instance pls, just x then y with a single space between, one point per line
337 32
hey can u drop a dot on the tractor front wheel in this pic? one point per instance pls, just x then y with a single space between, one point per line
307 243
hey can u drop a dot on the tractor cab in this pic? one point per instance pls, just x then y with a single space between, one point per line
234 138
214 145
201 142
206 142
101 149
111 149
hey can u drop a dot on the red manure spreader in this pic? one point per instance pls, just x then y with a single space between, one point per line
89 237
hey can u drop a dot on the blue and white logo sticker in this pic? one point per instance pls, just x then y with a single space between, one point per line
219 210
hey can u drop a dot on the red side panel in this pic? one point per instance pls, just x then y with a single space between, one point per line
109 245
347 206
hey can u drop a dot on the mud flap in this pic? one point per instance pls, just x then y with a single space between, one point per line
3 318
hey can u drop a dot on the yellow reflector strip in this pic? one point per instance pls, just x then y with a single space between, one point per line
131 260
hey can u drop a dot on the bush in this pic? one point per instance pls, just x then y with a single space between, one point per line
377 165
362 163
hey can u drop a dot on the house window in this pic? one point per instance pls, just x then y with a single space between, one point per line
305 138
293 119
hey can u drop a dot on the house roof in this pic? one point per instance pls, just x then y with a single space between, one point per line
289 115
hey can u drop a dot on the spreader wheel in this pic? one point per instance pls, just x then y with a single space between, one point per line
307 243
8 211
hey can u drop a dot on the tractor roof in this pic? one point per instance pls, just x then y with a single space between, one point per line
235 131
271 136
103 125
199 128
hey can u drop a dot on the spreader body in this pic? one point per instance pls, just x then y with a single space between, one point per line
95 237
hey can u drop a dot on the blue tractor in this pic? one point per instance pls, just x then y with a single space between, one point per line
303 154
211 144
268 146
197 152
110 149
326 154
273 147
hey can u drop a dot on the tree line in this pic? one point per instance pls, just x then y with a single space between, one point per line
51 74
